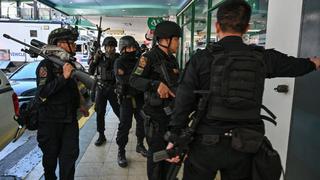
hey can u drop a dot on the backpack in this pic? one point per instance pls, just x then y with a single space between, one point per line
29 113
237 84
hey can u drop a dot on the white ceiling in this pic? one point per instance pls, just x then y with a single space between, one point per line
133 26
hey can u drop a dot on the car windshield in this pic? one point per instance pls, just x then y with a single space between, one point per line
27 72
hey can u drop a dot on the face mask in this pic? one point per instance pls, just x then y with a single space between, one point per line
130 54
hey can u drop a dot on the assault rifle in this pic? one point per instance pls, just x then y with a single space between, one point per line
56 55
96 48
181 143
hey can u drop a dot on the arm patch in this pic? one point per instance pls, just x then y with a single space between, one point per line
142 63
43 72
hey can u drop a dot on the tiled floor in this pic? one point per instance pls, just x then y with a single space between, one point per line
100 163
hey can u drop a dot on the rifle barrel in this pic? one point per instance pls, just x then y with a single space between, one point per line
20 42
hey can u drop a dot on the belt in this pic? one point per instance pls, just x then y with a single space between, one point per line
211 139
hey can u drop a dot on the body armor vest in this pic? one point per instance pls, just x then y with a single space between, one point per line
236 84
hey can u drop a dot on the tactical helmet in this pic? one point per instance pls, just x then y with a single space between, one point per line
126 41
167 29
110 41
62 34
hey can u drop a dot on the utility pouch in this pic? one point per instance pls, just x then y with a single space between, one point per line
29 114
148 127
246 140
152 99
266 164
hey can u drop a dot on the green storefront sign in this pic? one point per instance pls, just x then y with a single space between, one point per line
152 22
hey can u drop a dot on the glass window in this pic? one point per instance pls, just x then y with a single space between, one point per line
200 24
9 9
27 72
186 46
258 24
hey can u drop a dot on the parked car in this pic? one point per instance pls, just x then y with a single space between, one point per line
23 81
9 128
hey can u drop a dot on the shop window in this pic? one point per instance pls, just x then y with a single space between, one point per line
258 23
200 24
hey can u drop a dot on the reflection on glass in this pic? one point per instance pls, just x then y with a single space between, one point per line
186 46
200 24
258 23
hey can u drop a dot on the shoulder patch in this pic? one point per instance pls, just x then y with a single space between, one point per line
138 70
143 61
43 72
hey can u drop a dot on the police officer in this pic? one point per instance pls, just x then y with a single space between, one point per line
227 118
157 74
102 67
58 132
131 100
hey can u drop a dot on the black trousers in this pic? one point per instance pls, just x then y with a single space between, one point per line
59 141
204 160
102 97
130 107
157 171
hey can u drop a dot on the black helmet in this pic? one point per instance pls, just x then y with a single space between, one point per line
167 29
62 34
126 41
110 41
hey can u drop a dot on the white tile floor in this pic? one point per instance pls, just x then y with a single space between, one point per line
100 163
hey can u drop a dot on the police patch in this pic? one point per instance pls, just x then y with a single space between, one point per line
176 71
43 72
142 62
139 70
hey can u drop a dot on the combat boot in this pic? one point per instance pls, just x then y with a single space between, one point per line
141 149
122 160
101 140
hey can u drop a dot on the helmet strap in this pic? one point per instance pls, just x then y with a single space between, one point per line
168 46
70 50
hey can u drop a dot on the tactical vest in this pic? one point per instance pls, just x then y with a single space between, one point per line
104 67
236 84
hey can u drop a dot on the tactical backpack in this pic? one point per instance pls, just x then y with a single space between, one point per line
237 84
29 113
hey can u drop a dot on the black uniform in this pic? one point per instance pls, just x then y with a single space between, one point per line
205 158
58 131
146 77
105 89
131 101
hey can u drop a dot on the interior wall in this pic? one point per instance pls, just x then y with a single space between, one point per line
283 31
304 146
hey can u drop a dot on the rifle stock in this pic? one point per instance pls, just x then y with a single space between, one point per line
181 144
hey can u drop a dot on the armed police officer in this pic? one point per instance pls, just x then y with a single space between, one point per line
233 73
102 66
130 99
156 74
58 132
